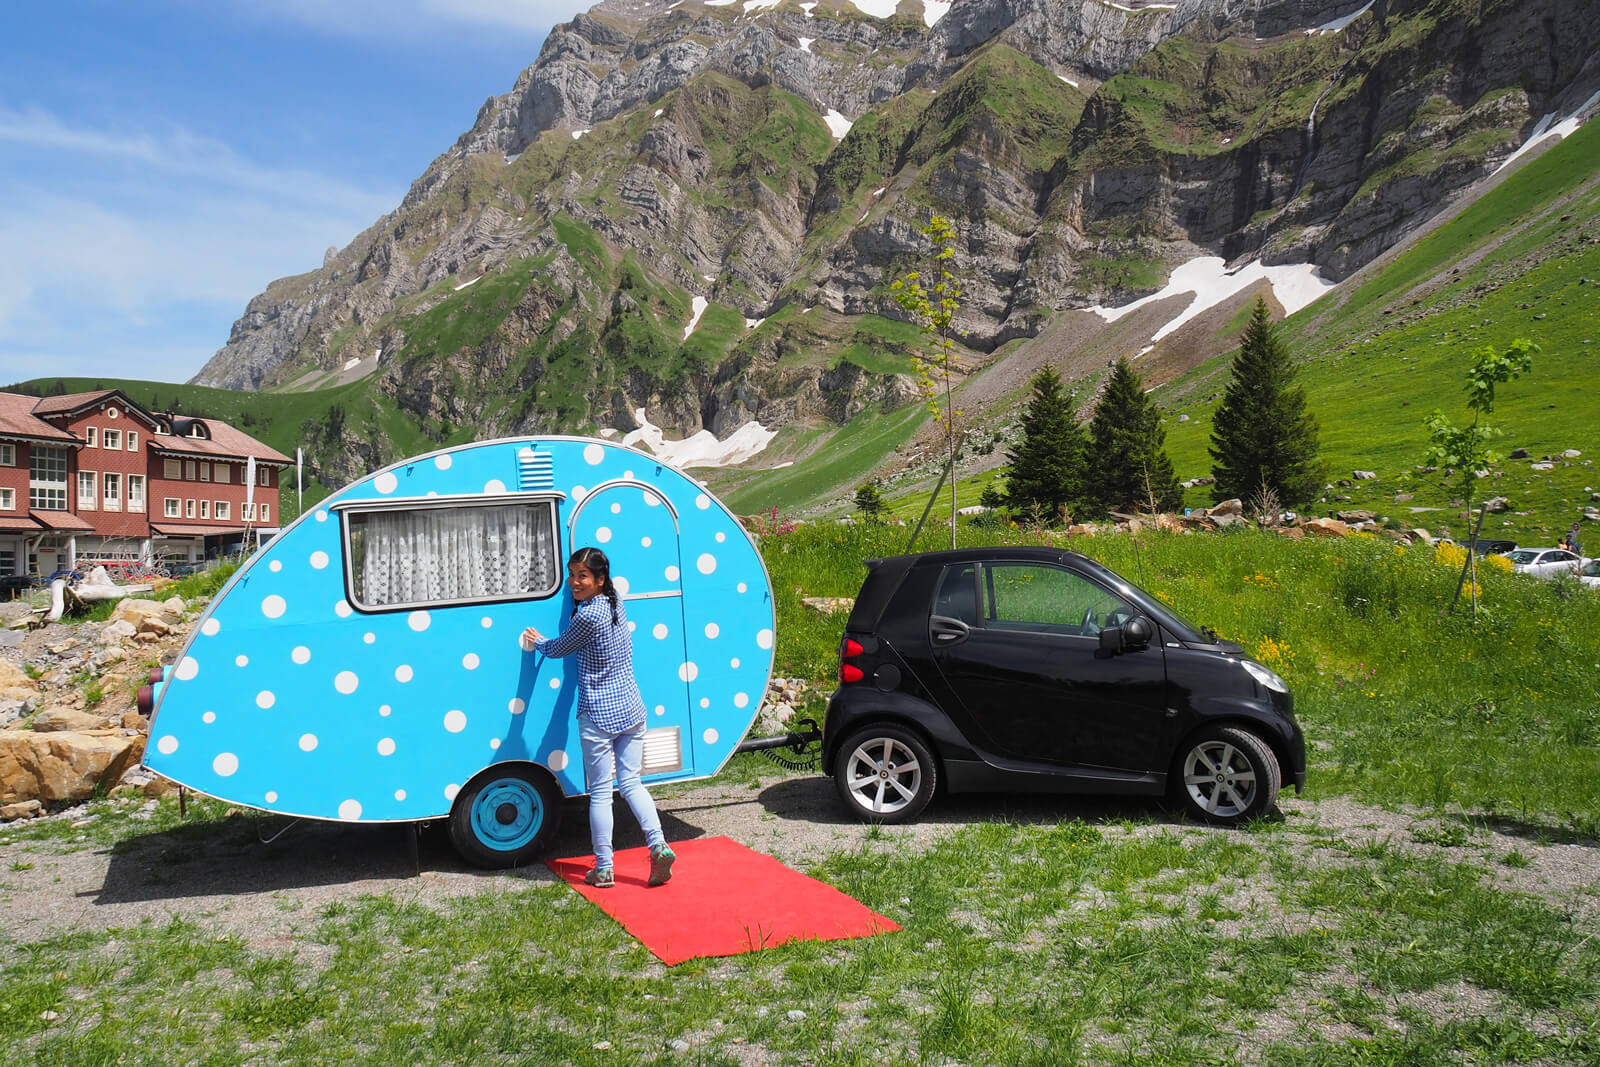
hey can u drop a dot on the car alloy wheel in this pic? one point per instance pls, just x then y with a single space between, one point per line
1228 775
885 774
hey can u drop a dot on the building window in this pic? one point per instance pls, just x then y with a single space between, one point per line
220 475
171 468
47 479
86 489
112 413
205 509
249 511
91 437
196 431
8 558
221 510
133 440
205 472
135 492
111 439
113 491
266 512
264 476
188 508
188 470
170 507
8 455
8 500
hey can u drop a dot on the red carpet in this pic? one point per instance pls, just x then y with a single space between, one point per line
723 899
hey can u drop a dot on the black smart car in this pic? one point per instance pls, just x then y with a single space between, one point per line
1038 669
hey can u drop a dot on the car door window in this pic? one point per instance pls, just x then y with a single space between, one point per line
1043 599
957 595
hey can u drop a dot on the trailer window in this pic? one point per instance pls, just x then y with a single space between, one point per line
430 556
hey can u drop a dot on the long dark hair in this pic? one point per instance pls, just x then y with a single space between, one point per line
595 562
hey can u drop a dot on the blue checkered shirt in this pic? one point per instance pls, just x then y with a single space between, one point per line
607 691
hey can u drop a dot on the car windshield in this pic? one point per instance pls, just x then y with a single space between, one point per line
1523 555
1138 595
1592 569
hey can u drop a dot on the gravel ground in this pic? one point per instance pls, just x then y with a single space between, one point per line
270 892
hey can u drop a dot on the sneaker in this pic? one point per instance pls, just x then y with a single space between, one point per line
661 859
600 878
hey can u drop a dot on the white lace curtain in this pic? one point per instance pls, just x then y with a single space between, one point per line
438 555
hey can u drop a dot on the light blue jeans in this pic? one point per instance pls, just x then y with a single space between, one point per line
613 759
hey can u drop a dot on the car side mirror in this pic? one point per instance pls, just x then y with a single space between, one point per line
1131 636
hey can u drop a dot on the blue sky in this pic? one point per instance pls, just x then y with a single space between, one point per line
161 162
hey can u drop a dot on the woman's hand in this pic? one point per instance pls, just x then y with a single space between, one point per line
529 636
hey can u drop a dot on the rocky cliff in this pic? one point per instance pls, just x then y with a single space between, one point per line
691 208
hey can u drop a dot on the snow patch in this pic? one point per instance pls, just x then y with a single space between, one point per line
659 112
879 192
751 324
1340 23
578 133
474 281
720 3
805 43
837 123
703 449
1544 129
752 5
351 362
1068 80
807 9
878 9
934 10
1209 282
699 304
513 157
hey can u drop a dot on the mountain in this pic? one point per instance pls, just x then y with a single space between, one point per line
689 210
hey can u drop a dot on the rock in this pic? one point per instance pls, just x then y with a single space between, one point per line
175 606
1497 505
1541 466
1420 536
135 610
1363 476
1518 453
59 768
12 638
117 630
154 624
11 711
1293 533
1401 498
1571 453
60 720
1227 507
22 809
827 605
132 720
12 675
1325 527
1353 517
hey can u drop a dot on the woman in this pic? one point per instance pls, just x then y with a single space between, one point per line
611 712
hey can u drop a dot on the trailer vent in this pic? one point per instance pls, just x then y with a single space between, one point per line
535 470
663 750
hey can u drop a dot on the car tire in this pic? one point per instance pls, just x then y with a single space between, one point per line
1227 776
885 774
505 817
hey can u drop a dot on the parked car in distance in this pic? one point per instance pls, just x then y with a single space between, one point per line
1491 547
1589 575
1544 562
1039 669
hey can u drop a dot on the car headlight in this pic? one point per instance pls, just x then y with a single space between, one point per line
1265 676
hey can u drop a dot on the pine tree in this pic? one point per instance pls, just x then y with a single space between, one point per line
1046 472
1127 467
869 501
1262 434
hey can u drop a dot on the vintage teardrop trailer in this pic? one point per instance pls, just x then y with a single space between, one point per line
365 666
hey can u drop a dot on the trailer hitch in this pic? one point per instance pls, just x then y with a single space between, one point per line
805 744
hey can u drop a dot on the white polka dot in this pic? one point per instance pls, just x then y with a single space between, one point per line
712 630
350 810
272 796
672 574
557 760
442 462
764 639
385 483
167 745
705 702
632 626
369 637
593 454
399 794
660 630
616 509
627 476
661 709
273 606
710 737
706 563
578 493
470 661
384 710
301 654
741 700
494 743
451 790
342 609
386 747
308 742
603 534
555 683
494 486
265 699
742 587
275 566
241 660
721 537
517 706
225 764
702 502
319 559
346 682
210 627
418 620
322 516
486 622
455 721
650 499
644 542
688 672
188 667
403 673
209 717
621 584
734 663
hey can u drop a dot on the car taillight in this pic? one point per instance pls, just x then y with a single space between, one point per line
849 672
851 648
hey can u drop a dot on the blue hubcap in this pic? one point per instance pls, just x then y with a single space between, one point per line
507 814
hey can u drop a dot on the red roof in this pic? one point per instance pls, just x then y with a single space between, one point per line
224 441
60 520
169 529
72 403
18 420
18 522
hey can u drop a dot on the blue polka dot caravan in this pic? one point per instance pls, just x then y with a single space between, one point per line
365 665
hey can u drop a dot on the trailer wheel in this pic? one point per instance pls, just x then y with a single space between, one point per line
504 817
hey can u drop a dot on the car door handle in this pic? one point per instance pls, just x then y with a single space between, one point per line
947 631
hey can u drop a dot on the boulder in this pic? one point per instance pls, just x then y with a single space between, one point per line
1325 527
118 630
827 605
155 624
1420 536
1355 516
12 675
174 606
22 809
62 768
1227 507
1541 466
1363 476
1497 505
61 720
1518 453
135 610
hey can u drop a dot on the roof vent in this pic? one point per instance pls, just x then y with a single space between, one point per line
535 470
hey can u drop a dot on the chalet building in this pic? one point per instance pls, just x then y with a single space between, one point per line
94 477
